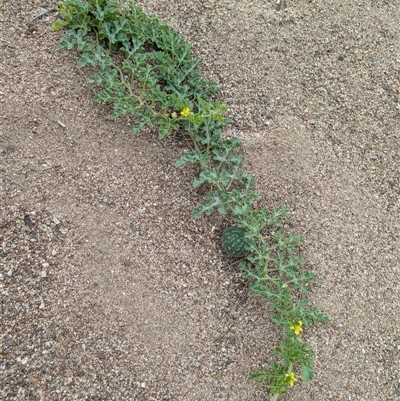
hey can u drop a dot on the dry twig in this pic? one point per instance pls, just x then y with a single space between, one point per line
38 15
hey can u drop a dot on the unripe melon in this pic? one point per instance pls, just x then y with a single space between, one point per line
234 242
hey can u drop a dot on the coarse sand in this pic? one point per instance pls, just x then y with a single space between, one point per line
110 291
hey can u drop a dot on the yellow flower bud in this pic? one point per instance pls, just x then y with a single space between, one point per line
185 112
292 378
297 328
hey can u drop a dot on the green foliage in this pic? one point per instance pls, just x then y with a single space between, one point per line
146 69
155 78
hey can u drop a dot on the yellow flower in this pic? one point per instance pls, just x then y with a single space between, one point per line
292 378
185 112
297 327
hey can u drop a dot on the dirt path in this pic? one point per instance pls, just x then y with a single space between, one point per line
111 292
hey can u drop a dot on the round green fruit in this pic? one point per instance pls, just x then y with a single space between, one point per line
234 242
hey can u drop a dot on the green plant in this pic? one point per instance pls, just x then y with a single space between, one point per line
234 241
144 68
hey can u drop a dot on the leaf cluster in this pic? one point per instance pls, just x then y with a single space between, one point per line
142 66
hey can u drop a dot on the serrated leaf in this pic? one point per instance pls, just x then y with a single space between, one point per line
214 200
139 124
166 127
86 59
193 157
307 373
209 175
58 24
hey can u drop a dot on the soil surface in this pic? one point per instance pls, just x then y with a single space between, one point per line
110 291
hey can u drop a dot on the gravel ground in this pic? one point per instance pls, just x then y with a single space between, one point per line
109 291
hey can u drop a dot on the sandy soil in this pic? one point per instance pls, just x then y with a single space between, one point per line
110 291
